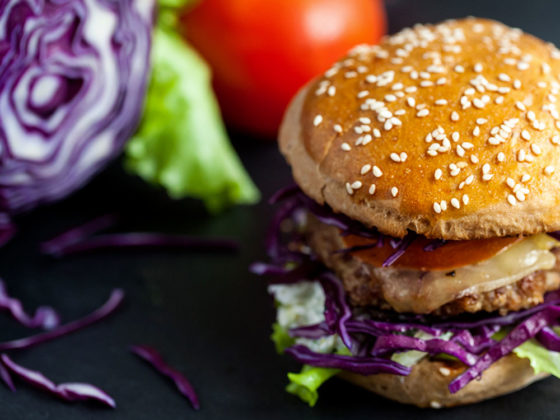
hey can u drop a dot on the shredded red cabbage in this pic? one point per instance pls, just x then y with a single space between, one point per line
45 317
151 356
7 229
517 336
67 392
7 378
104 311
337 310
388 344
57 244
374 334
142 240
549 339
362 365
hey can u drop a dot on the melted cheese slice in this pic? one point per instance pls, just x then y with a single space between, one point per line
423 292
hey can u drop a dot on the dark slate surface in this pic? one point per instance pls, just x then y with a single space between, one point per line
206 314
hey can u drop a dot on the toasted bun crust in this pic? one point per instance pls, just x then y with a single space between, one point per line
427 384
448 130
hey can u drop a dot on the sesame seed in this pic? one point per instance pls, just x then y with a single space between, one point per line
443 205
455 203
521 155
331 90
426 83
535 149
395 157
486 168
356 185
444 371
363 94
510 182
467 145
411 102
422 113
465 199
346 147
517 84
317 120
504 77
522 65
525 135
349 189
365 120
501 157
531 116
404 156
438 173
511 199
441 102
370 78
525 177
477 103
487 177
460 151
499 100
390 98
549 170
555 139
437 207
520 196
411 89
478 67
377 172
397 86
481 121
474 159
459 69
394 191
455 136
476 131
372 189
366 168
376 132
454 116
337 128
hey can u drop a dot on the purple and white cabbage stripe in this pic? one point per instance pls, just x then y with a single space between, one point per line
73 75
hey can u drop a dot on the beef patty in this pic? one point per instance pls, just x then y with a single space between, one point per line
364 288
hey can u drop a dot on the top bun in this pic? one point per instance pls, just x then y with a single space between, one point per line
447 130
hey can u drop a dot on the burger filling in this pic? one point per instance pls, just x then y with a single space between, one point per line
349 298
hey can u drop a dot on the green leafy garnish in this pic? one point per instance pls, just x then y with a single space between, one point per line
541 359
305 384
181 143
281 338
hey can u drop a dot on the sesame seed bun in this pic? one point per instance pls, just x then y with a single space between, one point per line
447 130
427 384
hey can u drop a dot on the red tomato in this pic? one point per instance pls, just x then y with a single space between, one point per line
451 255
262 51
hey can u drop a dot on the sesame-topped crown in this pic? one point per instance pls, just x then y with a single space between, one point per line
448 130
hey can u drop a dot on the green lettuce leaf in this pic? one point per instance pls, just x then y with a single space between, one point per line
281 338
541 359
181 143
305 384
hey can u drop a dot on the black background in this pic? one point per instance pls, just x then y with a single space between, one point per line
204 312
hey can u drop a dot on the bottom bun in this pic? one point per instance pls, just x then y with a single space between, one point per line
426 386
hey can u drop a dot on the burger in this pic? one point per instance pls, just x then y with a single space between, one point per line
416 256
